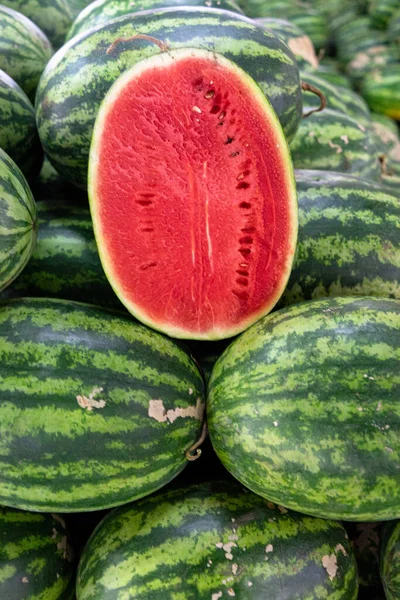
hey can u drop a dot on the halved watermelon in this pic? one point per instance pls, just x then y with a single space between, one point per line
192 195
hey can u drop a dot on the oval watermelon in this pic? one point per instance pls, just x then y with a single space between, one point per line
102 11
303 408
80 74
52 16
18 133
17 221
24 49
65 263
390 560
215 540
199 240
349 239
332 141
36 560
95 409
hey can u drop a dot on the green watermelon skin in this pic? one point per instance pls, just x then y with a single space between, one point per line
24 49
81 73
102 11
115 405
332 141
390 560
349 239
303 408
53 17
381 90
18 226
18 133
65 263
299 43
328 72
76 6
36 560
215 540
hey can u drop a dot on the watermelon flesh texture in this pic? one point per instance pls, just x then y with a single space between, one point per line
192 195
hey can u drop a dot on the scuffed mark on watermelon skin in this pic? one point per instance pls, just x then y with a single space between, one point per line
158 412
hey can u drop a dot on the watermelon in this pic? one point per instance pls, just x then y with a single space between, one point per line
349 239
80 74
65 263
332 141
337 98
393 32
381 11
222 162
95 409
24 49
215 540
299 43
76 6
303 408
101 11
17 221
381 90
36 560
53 17
18 133
328 70
390 560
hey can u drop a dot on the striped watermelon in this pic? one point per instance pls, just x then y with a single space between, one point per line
299 43
214 541
95 410
18 133
81 73
393 32
53 17
328 70
102 11
390 560
36 560
349 239
76 6
65 262
381 11
332 141
17 221
24 49
303 408
381 90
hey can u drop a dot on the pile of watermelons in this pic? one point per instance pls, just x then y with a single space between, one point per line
200 299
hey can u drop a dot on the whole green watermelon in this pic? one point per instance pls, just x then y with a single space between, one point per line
303 408
36 560
215 541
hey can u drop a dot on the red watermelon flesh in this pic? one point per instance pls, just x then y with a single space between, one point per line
192 195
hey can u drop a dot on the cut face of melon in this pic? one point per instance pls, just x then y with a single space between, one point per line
192 195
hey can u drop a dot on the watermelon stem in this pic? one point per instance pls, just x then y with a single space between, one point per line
307 87
139 36
189 453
